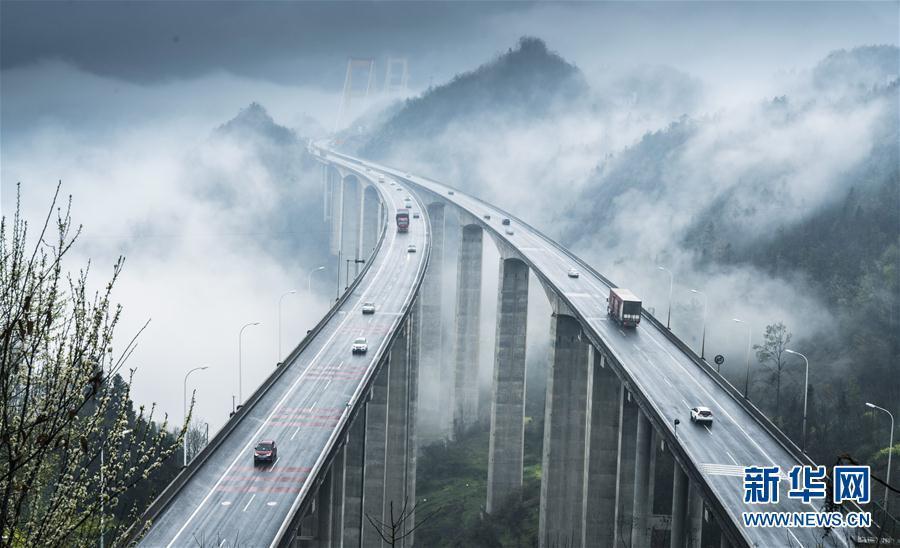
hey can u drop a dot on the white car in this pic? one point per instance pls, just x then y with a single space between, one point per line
509 232
360 345
701 415
574 273
368 308
411 248
415 214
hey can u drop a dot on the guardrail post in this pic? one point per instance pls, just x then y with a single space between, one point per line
508 388
601 453
468 323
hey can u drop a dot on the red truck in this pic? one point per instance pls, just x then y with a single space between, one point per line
624 307
402 220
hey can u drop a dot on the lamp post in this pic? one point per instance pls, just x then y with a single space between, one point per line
749 338
887 479
677 422
703 339
103 490
671 281
805 394
184 401
285 294
309 279
240 352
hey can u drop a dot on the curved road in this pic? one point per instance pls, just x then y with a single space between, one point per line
668 378
228 501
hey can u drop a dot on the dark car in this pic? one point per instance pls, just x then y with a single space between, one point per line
505 222
265 451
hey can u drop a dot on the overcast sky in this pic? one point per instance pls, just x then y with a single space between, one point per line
308 43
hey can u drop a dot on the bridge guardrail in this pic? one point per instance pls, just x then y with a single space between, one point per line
132 534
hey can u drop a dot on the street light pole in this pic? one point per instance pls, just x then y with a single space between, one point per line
184 401
291 292
749 339
805 394
671 282
703 339
309 279
887 479
240 352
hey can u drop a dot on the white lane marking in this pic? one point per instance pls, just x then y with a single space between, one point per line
223 542
707 429
340 365
271 503
795 538
284 398
248 503
226 503
665 378
622 332
686 403
297 431
730 457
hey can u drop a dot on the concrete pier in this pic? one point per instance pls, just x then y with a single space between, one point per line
601 456
625 484
640 529
468 321
508 387
374 466
433 416
695 517
412 438
353 480
337 209
565 420
338 470
368 223
679 508
396 444
351 198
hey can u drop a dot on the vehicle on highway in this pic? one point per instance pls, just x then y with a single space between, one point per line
415 214
624 307
399 189
505 222
408 175
450 192
368 308
360 345
701 415
381 178
486 217
411 248
573 273
402 218
509 231
265 451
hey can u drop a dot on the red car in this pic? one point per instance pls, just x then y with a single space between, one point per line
265 452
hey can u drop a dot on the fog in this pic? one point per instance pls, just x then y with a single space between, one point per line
122 106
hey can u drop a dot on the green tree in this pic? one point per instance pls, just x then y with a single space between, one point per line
771 354
62 401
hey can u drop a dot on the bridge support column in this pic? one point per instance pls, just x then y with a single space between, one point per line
601 456
355 452
396 450
565 419
338 470
350 217
508 388
368 223
374 466
323 513
337 208
433 419
412 441
625 481
640 530
679 508
695 516
468 322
